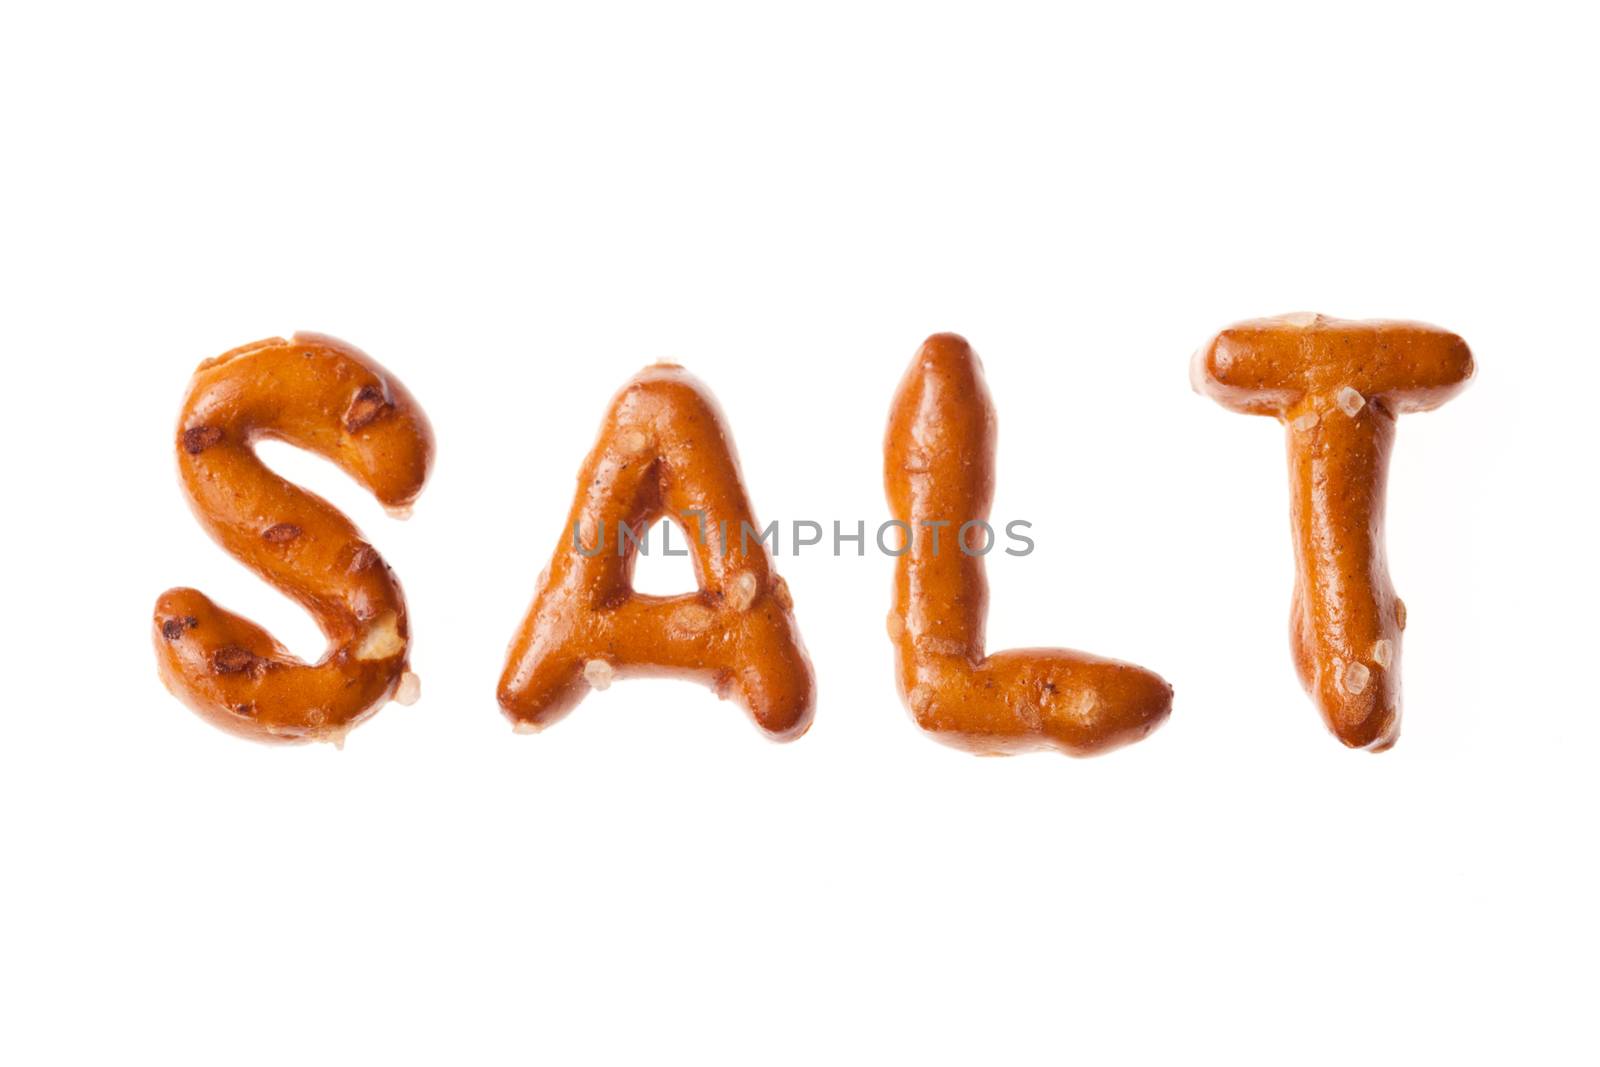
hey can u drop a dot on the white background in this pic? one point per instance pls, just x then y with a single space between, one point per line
516 210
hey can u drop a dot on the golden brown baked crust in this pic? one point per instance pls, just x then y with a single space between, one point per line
664 448
939 468
327 397
1337 386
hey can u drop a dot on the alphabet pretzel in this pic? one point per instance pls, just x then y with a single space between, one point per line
327 397
939 471
1338 386
664 448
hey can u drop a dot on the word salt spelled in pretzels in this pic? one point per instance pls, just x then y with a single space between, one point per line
664 449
